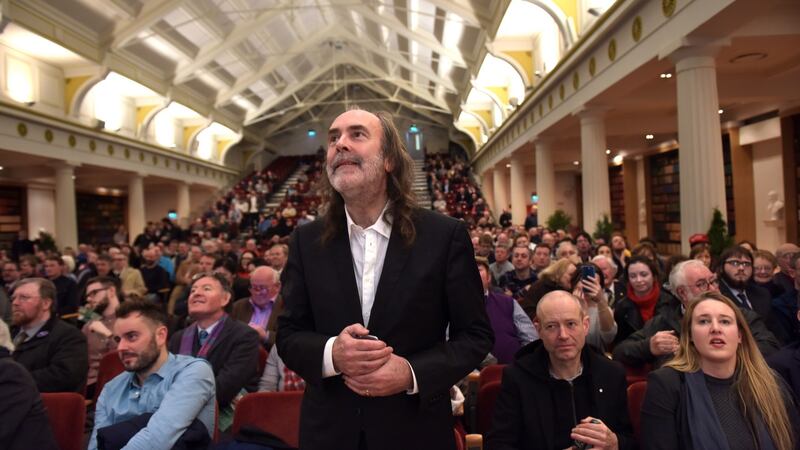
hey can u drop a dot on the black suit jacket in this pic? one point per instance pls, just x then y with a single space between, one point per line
758 297
422 288
234 358
24 423
57 357
524 417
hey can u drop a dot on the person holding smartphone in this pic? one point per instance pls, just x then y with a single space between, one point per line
588 286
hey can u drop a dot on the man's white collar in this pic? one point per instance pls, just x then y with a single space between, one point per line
383 227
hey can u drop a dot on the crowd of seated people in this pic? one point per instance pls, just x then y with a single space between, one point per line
453 191
572 316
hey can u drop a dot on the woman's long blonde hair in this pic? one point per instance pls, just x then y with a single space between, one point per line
758 391
555 271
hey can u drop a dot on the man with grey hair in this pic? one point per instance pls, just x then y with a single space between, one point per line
657 341
557 381
260 311
785 278
614 288
54 352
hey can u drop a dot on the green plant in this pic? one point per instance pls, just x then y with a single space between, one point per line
559 220
46 242
603 228
718 237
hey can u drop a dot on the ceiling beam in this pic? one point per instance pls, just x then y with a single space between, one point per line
404 85
274 63
427 40
241 32
463 11
393 98
152 12
288 118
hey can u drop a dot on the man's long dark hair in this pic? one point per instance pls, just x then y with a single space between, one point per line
398 187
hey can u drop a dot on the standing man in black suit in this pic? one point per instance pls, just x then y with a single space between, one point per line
229 345
735 272
369 292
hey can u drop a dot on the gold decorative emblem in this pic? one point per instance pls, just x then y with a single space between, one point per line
22 129
110 150
141 156
155 160
612 50
71 140
592 66
636 29
48 135
668 7
561 92
541 110
576 81
166 163
127 153
92 145
550 102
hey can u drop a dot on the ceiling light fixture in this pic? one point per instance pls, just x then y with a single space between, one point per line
508 166
649 137
665 75
608 151
617 160
720 111
576 162
748 57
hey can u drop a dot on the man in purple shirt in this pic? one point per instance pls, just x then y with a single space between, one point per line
262 308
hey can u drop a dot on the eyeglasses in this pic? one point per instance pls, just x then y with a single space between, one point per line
736 263
768 269
703 285
23 298
259 287
94 292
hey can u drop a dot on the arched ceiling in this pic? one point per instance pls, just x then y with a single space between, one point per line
270 65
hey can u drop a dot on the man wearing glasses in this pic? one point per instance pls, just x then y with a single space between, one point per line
657 341
102 301
736 275
262 308
53 352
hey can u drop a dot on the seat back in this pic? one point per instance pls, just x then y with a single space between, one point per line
634 374
262 359
636 393
486 398
491 374
110 366
275 412
67 414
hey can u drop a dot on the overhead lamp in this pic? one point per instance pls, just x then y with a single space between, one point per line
649 137
608 151
312 132
508 166
665 76
617 160
576 162
720 111
413 129
1 167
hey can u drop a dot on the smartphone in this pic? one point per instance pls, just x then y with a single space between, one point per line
587 271
578 445
367 336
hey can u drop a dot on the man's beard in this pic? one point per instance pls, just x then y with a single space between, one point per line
371 168
145 360
736 284
101 307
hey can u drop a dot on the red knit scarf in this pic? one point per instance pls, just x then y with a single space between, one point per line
647 303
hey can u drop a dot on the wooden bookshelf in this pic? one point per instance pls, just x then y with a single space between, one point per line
12 213
99 216
665 197
728 168
617 190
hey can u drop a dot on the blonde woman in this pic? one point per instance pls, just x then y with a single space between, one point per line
556 277
718 392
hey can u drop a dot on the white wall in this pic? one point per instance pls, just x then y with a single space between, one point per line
767 176
566 196
158 200
41 210
47 83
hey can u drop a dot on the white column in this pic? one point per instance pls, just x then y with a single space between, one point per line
487 188
641 191
66 233
702 177
183 204
500 180
545 179
136 212
518 197
594 169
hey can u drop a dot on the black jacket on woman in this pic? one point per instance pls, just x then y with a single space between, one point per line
24 424
523 413
629 319
664 414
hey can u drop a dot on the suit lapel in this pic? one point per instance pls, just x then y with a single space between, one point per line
343 261
387 303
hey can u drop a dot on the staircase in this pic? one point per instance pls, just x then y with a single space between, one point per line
420 186
279 196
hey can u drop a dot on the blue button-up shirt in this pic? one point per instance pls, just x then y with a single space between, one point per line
181 390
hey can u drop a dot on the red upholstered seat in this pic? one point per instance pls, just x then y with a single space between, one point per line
262 359
67 413
486 398
491 374
634 374
636 393
275 412
110 367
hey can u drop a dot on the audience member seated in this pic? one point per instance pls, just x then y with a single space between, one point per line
53 351
261 309
764 264
230 346
512 327
583 244
501 265
718 392
99 316
514 282
787 363
557 277
785 308
131 278
10 276
701 252
277 255
558 393
657 341
160 395
541 258
735 272
614 288
589 290
619 251
783 254
155 277
642 296
24 424
66 288
277 377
